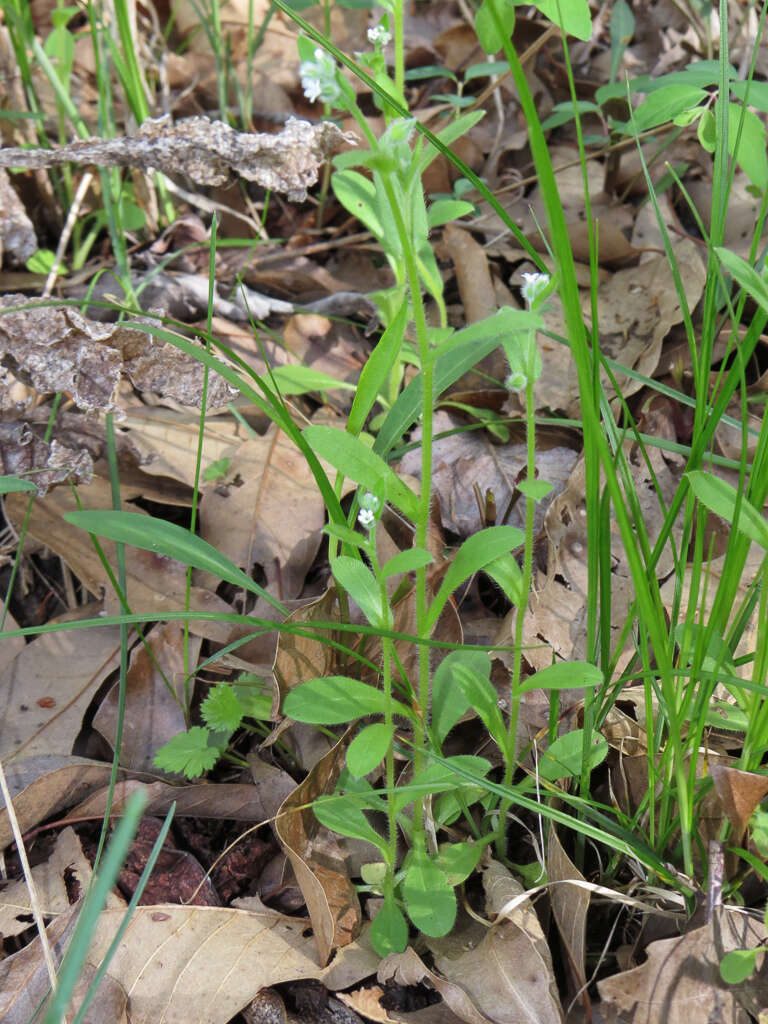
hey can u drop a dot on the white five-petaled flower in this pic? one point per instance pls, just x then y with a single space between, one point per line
366 518
370 506
533 286
318 78
378 34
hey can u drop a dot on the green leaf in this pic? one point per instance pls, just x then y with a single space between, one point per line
217 469
346 535
449 703
188 752
447 775
406 561
722 715
563 675
751 155
10 484
572 16
42 262
746 275
562 113
506 573
429 898
256 703
377 368
665 104
444 210
486 27
360 583
168 539
389 931
536 489
300 380
737 965
331 700
221 709
721 498
481 695
448 135
358 462
367 749
562 759
342 815
475 553
485 69
707 131
622 30
358 195
463 351
457 861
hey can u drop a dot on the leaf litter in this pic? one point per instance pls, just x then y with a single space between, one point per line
195 963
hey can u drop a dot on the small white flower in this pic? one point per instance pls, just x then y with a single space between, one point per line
366 518
378 35
318 78
534 285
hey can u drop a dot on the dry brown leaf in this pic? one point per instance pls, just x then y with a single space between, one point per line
10 646
408 969
570 904
557 619
65 871
46 690
59 349
473 273
680 981
202 965
367 1001
230 801
166 440
268 511
153 714
45 786
638 306
467 463
505 970
299 658
317 859
23 453
739 793
17 234
24 981
208 152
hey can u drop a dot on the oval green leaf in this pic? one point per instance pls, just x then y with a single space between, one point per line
563 676
333 700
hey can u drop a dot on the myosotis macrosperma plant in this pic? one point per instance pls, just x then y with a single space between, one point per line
395 210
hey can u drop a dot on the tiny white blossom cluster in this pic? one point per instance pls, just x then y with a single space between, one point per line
533 286
318 78
370 506
378 35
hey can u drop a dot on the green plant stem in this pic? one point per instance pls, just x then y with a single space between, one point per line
517 663
398 31
425 492
389 760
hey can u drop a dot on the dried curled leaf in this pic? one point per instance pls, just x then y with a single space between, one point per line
17 234
209 152
56 348
23 453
